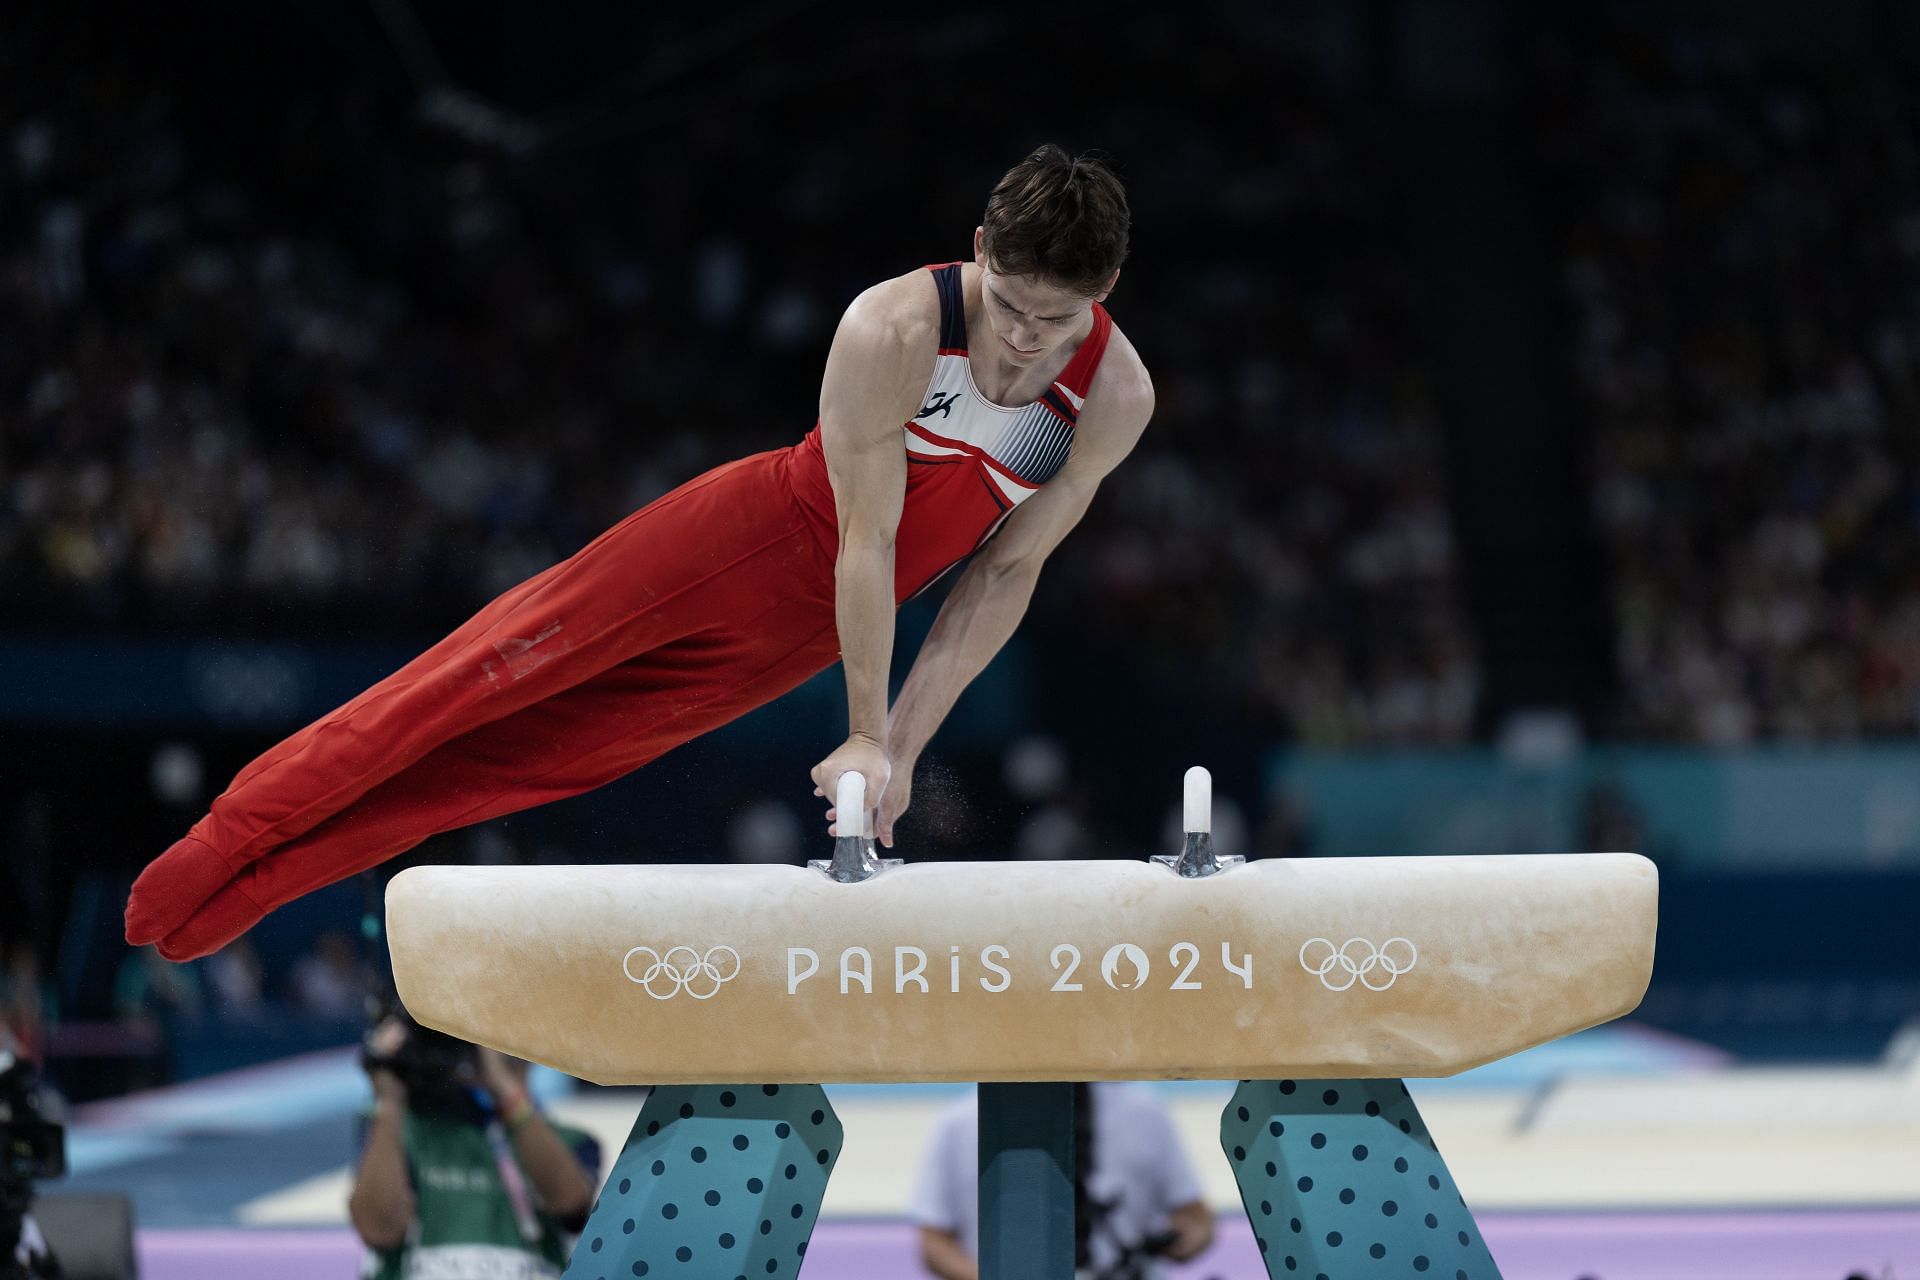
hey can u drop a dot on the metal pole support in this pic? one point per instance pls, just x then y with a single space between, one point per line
1026 1182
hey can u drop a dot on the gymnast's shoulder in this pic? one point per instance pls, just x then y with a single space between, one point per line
900 315
1120 400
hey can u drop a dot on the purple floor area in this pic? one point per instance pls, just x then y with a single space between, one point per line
1799 1245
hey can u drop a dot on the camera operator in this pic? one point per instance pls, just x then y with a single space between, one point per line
32 1145
462 1177
1136 1199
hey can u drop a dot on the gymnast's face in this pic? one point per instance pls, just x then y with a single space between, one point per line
1030 317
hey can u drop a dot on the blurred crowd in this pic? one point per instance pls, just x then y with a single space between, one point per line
219 416
1282 534
334 364
1742 266
341 365
157 1021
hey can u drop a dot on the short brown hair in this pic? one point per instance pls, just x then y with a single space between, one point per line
1058 217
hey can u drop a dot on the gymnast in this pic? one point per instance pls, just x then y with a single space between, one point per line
968 412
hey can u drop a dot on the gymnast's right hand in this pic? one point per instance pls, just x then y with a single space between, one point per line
860 753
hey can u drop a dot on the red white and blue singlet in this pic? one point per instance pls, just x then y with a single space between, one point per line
709 601
970 462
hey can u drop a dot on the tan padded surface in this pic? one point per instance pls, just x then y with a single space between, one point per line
549 962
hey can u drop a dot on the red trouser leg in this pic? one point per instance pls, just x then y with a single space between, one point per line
574 741
728 546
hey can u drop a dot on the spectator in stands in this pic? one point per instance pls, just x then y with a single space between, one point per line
237 982
332 981
151 993
1739 256
26 998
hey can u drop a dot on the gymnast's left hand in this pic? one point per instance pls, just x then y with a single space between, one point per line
860 753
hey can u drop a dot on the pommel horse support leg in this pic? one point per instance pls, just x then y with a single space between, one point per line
1317 983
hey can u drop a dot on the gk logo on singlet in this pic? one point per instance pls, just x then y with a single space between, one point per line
941 405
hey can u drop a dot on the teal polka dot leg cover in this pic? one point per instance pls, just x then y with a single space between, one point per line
1342 1182
718 1182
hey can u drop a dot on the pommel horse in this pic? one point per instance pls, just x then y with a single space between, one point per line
1317 983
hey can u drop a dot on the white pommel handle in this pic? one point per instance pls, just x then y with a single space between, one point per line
1198 815
850 816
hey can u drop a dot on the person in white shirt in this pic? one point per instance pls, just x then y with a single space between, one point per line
1138 1199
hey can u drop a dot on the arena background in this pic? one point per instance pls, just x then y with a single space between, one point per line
1536 469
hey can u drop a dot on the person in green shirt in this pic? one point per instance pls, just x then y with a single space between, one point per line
465 1180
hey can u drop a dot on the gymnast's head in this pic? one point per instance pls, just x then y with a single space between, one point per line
1049 247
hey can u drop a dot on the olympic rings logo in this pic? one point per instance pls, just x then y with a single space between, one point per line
683 969
1338 970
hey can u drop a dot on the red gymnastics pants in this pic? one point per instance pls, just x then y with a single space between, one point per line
707 603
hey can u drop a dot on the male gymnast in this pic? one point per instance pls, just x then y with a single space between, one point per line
967 413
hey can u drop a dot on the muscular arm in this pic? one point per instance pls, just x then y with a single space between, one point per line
882 356
860 417
984 608
991 597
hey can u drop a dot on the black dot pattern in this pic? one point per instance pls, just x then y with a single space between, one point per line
1358 1180
679 1179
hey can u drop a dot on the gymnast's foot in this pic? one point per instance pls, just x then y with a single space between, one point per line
173 888
221 919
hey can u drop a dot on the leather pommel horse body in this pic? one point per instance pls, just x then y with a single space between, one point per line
1318 983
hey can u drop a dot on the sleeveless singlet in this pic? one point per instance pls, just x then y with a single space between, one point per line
970 462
